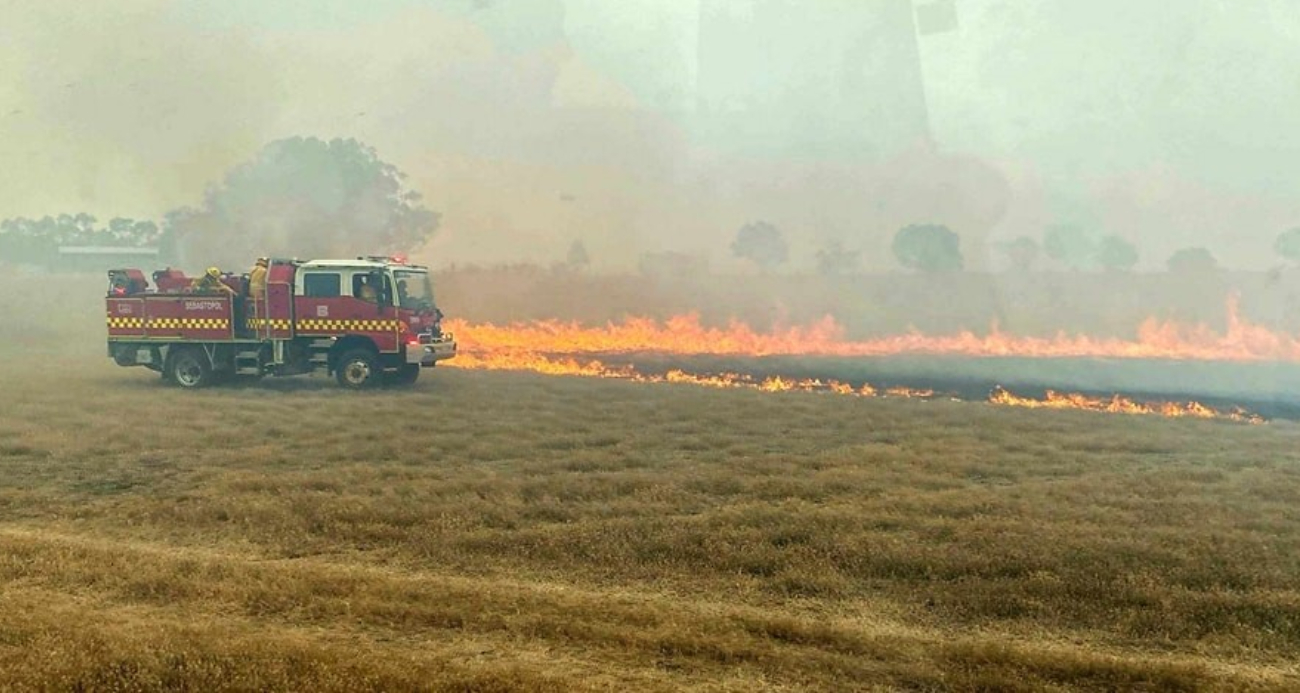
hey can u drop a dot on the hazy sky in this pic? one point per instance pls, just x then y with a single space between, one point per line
636 125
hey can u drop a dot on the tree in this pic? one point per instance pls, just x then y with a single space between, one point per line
834 260
761 243
128 232
577 257
1288 244
1071 245
928 248
1021 252
37 241
303 197
1192 261
23 240
1116 254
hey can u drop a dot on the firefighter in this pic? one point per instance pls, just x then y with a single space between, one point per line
257 280
211 282
366 291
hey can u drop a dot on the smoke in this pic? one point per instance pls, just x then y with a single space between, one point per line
122 110
665 126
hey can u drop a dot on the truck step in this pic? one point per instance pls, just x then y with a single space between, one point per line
248 370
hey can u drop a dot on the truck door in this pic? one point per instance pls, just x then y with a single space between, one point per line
374 290
320 305
339 302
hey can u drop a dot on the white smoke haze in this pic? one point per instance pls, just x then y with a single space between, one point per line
653 126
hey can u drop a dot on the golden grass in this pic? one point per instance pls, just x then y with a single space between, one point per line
498 531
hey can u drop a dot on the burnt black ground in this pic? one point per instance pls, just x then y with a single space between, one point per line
1271 390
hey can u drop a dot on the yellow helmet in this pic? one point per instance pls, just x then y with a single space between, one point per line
214 273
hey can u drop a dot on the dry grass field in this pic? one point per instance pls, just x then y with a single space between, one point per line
500 531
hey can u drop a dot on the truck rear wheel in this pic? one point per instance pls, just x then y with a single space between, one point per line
356 369
189 369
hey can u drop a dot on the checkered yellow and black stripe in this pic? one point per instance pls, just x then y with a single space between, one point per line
118 322
326 325
309 325
169 323
188 324
273 323
137 323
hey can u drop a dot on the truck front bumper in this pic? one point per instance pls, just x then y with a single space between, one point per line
431 350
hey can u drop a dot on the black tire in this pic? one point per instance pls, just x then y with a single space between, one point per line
405 375
356 369
124 356
189 368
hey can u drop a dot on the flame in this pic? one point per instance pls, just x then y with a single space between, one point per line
554 347
1118 404
684 334
538 363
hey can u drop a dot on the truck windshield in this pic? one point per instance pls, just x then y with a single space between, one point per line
413 289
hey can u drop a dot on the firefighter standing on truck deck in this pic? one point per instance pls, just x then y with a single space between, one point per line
211 282
257 280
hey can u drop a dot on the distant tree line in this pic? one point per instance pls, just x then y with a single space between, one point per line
1078 249
37 241
308 197
937 248
300 197
1073 247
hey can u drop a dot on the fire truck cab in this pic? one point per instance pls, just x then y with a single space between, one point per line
366 321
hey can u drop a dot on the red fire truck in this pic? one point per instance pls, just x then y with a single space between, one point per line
367 321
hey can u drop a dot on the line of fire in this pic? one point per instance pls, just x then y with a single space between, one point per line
1160 366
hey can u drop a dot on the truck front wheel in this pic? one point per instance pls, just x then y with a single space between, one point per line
356 369
189 368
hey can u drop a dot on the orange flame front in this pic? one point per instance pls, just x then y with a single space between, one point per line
554 347
684 334
1118 404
